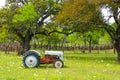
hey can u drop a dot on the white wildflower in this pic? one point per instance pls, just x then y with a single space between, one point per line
94 76
107 64
35 74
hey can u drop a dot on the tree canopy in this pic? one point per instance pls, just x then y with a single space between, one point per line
25 18
84 15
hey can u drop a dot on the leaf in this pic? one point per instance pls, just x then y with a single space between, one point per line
26 13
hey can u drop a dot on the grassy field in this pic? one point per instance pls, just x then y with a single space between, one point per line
78 66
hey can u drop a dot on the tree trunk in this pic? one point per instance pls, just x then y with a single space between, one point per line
117 47
90 44
48 45
63 42
25 44
118 54
85 45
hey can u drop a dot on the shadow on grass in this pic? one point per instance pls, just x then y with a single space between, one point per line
49 66
45 66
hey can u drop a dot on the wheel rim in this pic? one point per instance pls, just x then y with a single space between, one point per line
31 61
58 64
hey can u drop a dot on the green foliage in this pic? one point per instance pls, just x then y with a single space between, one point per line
26 13
54 38
75 38
105 39
3 36
77 15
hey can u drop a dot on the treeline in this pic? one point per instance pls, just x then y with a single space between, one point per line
15 47
74 47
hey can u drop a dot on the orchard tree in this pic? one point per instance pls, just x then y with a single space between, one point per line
26 18
79 15
91 38
75 14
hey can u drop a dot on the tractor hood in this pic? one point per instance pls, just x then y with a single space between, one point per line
58 53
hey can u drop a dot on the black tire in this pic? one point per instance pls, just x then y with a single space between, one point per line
58 64
31 59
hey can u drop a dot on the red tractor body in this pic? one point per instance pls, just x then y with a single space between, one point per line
47 59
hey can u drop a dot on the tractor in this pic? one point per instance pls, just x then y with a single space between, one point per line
32 59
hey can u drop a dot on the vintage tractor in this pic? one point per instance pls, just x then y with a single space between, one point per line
33 58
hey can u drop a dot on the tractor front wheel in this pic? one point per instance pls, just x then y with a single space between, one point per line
31 59
58 64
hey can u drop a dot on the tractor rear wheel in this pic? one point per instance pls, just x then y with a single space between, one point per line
58 64
31 59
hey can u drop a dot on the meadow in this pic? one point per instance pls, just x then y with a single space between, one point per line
78 66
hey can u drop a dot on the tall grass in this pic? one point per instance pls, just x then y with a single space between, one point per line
78 66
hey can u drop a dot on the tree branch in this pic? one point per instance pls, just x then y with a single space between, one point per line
115 14
19 34
109 30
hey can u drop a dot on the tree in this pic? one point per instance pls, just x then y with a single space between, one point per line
114 32
80 14
25 18
75 14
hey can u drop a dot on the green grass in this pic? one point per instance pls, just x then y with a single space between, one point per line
80 66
